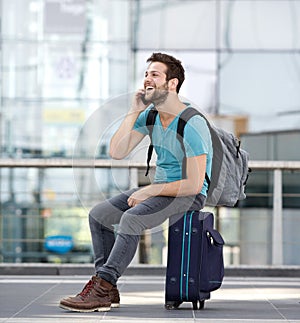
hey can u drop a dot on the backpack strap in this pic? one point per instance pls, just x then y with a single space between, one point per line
185 116
150 124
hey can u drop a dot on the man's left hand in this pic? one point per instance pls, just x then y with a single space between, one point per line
138 197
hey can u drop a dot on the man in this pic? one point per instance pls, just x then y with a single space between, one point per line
169 196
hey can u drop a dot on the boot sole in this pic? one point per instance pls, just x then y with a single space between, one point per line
98 309
115 305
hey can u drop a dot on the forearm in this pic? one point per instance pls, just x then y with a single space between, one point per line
174 189
191 186
123 141
178 188
120 142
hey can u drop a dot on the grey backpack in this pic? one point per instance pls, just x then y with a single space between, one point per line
230 169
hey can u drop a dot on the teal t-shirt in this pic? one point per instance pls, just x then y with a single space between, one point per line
196 138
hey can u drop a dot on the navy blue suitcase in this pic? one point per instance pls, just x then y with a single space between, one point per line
195 264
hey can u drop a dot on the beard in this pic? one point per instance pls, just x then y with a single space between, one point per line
159 94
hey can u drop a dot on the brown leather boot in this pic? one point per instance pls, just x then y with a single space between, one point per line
94 297
114 297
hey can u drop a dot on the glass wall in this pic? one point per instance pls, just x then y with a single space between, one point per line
60 61
69 67
242 57
242 60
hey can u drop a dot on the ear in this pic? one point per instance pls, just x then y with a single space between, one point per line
173 84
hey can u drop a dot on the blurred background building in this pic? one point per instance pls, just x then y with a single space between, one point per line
68 69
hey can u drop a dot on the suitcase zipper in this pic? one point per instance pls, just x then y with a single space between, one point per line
185 258
182 258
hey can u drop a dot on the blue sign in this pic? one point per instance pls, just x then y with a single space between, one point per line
59 244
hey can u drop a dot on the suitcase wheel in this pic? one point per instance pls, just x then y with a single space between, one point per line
201 305
172 305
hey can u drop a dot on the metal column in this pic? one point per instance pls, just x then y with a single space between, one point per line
277 219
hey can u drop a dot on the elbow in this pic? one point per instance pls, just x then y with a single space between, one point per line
116 154
198 187
116 157
194 187
196 190
117 151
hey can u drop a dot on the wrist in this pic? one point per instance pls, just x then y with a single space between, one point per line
147 190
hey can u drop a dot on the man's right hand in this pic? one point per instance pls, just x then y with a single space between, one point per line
139 103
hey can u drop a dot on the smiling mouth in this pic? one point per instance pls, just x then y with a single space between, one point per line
149 89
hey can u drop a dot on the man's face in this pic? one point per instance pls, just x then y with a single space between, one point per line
155 83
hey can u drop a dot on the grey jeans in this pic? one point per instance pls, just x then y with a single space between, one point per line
114 252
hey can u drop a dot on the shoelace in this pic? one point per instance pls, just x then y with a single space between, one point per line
87 288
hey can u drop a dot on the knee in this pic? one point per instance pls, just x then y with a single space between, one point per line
98 218
93 220
93 214
131 224
91 217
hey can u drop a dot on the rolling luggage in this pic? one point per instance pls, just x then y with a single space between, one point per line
195 264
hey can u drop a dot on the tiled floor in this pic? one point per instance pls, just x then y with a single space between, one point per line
35 299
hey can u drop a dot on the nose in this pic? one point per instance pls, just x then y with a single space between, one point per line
147 77
147 81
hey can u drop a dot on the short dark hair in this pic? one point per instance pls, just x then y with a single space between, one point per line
174 67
